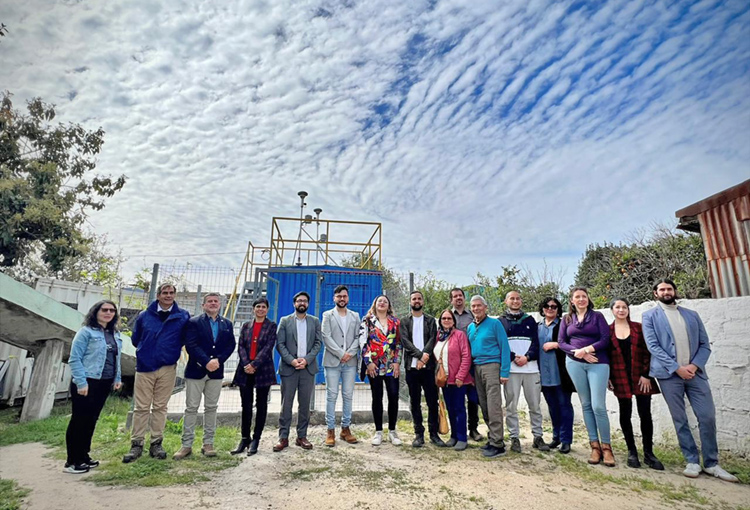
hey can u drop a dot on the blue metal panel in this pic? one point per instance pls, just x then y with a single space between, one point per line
319 282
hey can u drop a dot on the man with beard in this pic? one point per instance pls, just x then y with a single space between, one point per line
340 330
463 319
523 339
298 341
418 336
680 349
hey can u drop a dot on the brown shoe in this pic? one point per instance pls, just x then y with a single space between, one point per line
182 453
596 453
283 443
609 457
304 443
208 450
347 436
331 437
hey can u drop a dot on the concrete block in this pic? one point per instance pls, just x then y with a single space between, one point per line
41 395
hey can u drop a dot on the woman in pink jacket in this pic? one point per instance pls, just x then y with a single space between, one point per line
452 349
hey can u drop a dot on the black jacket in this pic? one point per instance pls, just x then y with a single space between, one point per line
430 337
200 346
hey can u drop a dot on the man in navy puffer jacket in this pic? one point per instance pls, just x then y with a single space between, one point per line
158 336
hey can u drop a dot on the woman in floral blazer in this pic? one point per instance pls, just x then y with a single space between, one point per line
380 340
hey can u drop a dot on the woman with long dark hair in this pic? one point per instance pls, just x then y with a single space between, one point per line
629 365
255 371
557 387
380 340
95 367
584 337
453 351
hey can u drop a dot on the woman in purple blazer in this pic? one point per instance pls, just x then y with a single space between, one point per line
255 371
584 337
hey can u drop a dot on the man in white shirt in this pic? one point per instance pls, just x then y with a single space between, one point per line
340 329
298 342
418 336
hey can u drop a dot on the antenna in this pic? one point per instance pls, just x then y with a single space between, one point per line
298 249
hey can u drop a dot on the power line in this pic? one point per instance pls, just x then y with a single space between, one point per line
185 254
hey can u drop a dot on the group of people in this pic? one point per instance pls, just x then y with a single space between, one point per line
478 361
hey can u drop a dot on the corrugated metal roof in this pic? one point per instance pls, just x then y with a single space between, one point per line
724 223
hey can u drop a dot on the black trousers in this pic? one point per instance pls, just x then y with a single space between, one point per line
376 387
420 381
83 420
261 408
472 406
643 403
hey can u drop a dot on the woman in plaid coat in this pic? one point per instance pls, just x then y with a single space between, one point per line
629 363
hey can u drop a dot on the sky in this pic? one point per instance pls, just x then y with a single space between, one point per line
480 133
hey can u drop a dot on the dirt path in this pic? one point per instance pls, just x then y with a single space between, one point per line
387 477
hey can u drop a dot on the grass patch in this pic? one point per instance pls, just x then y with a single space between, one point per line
111 441
11 495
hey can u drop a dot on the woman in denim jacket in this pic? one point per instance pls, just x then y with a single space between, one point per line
95 367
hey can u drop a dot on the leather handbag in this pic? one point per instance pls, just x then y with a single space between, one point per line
441 377
443 417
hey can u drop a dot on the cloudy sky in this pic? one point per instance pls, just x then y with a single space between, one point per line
480 133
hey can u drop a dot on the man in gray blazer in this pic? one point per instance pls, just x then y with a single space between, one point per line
341 362
298 342
679 348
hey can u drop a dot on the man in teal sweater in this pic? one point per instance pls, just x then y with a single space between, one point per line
491 354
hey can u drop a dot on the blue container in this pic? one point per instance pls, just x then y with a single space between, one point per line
319 281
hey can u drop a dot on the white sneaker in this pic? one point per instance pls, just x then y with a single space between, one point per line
718 472
692 470
377 439
395 440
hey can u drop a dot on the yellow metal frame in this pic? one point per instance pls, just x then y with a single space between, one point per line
283 249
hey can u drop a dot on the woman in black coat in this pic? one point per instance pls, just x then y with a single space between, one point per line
255 373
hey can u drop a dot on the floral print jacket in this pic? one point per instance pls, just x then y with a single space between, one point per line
381 344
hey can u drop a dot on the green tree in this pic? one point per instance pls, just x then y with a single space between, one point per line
436 293
629 269
532 287
47 184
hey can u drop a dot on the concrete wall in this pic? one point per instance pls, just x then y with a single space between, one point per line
727 322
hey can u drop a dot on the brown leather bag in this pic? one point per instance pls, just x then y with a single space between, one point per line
441 378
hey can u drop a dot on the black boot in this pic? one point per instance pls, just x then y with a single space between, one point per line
437 441
253 447
156 450
651 461
418 441
244 442
136 450
633 459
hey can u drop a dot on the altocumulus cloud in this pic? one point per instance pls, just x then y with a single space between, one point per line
480 133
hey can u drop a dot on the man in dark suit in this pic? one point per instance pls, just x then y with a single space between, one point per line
209 341
418 336
298 341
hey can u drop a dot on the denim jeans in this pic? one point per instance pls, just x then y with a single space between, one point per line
590 380
454 402
346 374
701 400
561 412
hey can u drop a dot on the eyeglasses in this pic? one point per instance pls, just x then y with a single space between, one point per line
108 310
550 307
446 319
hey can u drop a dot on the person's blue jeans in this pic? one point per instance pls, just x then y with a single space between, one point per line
590 380
454 402
701 400
561 412
344 374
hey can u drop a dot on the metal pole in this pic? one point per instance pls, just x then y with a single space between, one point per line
154 282
411 283
198 299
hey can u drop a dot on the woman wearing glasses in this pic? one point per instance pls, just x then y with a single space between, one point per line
557 387
453 351
95 368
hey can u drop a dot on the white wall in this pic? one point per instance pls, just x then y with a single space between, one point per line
727 322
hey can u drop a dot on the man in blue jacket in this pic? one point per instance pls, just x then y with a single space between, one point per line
158 338
679 348
209 341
